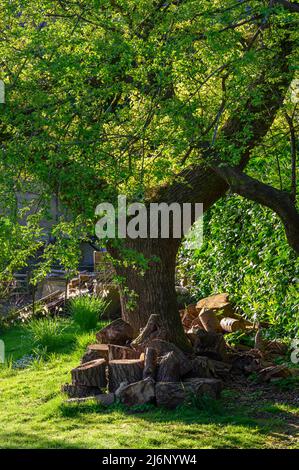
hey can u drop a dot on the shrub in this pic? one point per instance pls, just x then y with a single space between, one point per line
86 311
48 333
245 253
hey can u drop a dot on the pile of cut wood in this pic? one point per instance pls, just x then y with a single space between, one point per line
149 369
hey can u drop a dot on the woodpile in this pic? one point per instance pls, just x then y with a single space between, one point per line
118 332
214 314
150 369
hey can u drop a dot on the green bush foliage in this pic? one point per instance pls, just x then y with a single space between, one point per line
245 253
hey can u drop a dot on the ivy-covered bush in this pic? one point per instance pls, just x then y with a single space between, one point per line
245 253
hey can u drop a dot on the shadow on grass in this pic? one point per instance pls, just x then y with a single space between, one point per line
208 412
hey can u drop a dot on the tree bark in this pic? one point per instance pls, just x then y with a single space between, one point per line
90 374
169 368
124 370
121 352
150 363
153 290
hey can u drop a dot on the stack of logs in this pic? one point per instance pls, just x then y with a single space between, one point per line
150 369
147 369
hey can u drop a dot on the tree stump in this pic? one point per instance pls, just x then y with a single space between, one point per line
95 351
124 370
150 363
169 368
118 332
122 352
90 374
138 393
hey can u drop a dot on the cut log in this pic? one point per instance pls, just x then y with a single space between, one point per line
122 352
138 393
118 391
203 367
187 320
190 317
152 330
90 374
220 303
124 370
230 325
117 332
209 320
105 399
275 372
200 367
173 394
95 351
245 362
169 368
79 391
211 345
150 363
164 347
219 369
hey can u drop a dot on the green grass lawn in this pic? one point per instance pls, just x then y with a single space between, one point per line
33 412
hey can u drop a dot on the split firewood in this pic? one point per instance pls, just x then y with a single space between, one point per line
120 388
169 368
121 352
203 367
190 315
105 399
200 367
245 362
163 347
79 391
152 330
124 370
118 332
173 394
95 351
210 320
187 320
138 393
220 303
150 363
90 374
275 372
210 344
219 369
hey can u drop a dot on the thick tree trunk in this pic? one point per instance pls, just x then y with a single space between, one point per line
153 290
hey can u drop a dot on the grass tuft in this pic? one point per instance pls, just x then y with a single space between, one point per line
86 311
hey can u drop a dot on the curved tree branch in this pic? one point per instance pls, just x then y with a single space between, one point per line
291 6
277 200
